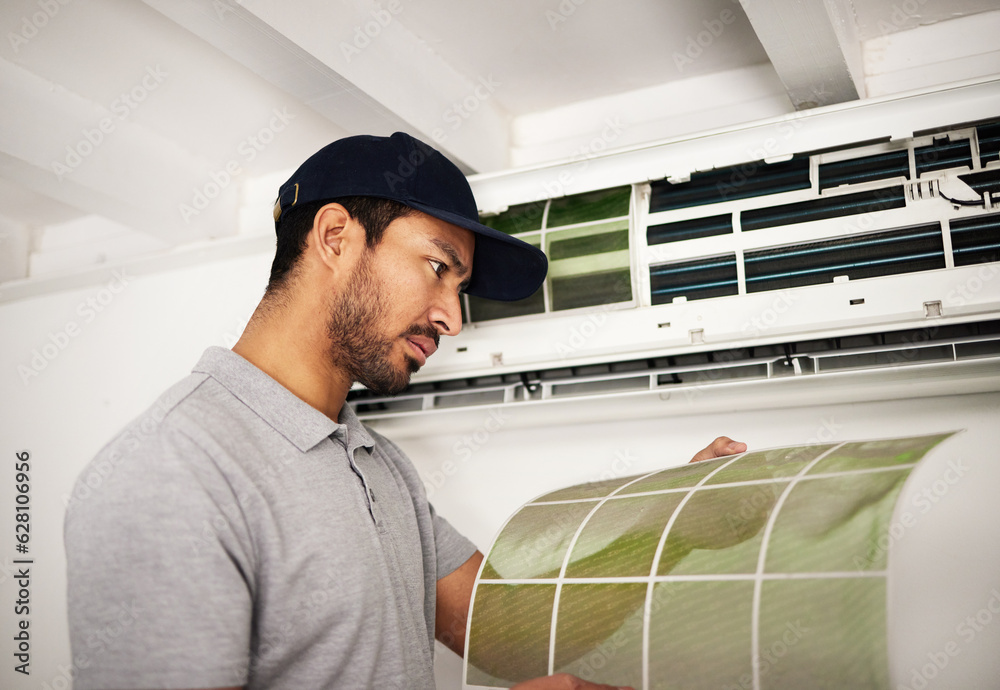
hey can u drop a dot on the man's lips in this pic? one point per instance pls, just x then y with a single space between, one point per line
422 346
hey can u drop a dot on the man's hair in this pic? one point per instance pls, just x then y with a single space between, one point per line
374 215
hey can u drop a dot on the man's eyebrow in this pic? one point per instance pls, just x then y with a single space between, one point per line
460 268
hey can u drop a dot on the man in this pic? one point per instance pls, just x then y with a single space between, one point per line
252 532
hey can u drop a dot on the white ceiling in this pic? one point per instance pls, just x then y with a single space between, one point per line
185 88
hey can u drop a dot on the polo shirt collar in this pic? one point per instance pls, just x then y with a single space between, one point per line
289 415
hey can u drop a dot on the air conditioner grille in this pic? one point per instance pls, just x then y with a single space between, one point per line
734 182
988 135
929 345
918 248
856 170
699 279
825 207
983 182
976 240
689 229
942 155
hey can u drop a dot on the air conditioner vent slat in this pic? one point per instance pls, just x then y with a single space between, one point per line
689 229
865 169
918 248
976 240
752 179
699 279
825 207
988 135
986 181
942 155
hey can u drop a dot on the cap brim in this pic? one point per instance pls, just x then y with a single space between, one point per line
503 267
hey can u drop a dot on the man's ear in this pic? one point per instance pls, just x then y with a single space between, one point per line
333 234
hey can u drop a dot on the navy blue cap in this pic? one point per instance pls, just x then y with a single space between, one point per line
413 173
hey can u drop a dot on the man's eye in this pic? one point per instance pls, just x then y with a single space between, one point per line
438 266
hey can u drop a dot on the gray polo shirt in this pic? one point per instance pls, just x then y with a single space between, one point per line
234 535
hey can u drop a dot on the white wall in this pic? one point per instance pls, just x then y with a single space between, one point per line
153 330
143 338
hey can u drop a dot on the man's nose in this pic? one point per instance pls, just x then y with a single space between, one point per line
447 314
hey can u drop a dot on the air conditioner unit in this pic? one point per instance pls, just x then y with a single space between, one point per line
853 250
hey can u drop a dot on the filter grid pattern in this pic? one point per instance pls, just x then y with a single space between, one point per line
757 571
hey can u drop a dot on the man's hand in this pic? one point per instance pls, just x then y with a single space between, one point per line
563 681
718 448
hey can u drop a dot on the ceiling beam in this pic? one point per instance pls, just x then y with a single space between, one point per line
355 63
101 162
15 248
813 46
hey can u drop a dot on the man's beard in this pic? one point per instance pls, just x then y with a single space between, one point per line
356 345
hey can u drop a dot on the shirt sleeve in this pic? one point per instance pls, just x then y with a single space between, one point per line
453 549
156 555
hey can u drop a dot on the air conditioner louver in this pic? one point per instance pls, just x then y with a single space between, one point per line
983 182
692 372
988 135
735 182
689 229
712 277
825 207
918 248
976 240
856 170
942 155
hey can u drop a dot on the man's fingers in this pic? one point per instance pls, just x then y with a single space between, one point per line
563 681
731 447
718 448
